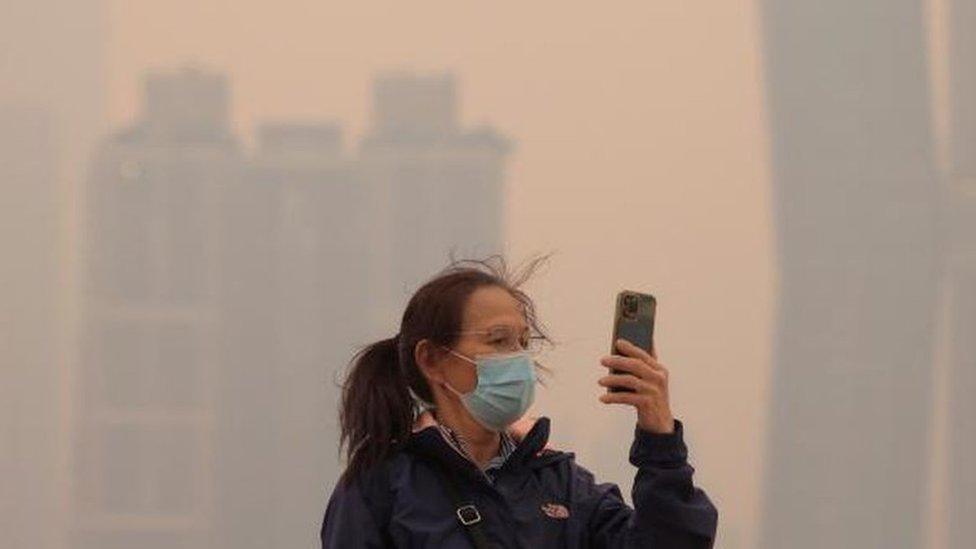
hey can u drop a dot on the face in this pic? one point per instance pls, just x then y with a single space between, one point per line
498 317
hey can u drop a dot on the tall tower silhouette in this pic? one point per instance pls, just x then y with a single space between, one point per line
228 290
856 206
438 187
50 113
315 305
148 408
961 275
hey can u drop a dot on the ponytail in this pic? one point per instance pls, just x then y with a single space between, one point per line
377 410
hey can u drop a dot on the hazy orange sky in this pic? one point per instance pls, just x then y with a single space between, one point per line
640 159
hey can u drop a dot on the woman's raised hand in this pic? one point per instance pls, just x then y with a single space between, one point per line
648 379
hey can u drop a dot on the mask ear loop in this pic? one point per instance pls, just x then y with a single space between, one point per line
447 385
450 388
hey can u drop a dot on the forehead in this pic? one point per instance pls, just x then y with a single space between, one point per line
489 306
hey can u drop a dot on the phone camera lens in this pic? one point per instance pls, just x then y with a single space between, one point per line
630 305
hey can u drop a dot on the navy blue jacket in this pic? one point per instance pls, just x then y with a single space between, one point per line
404 503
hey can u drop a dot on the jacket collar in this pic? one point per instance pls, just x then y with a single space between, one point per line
427 441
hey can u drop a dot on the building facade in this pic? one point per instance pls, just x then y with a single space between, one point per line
148 408
960 273
50 114
230 287
856 198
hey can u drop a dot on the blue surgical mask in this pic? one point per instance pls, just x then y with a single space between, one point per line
505 390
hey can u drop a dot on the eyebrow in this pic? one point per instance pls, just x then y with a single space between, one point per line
506 326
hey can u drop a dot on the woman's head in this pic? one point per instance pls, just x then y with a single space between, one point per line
473 307
493 321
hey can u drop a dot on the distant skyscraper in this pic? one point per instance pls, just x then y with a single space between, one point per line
191 108
961 276
148 407
318 242
31 324
50 111
437 187
414 109
228 291
856 202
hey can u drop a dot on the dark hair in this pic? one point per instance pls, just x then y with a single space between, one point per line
377 410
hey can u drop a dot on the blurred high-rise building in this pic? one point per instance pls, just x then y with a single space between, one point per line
408 108
148 406
438 187
318 239
960 208
50 111
31 324
228 291
856 212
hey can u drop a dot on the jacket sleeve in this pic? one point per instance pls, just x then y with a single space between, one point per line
669 511
349 522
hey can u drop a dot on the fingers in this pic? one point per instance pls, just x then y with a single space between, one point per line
632 399
625 364
626 381
629 349
634 366
646 383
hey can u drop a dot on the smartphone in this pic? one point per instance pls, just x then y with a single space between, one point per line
633 320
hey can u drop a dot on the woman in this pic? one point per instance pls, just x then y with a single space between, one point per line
437 458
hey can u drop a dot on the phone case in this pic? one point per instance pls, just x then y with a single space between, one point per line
633 320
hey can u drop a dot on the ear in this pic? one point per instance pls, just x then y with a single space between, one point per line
429 359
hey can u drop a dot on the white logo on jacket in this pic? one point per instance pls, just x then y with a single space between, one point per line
555 510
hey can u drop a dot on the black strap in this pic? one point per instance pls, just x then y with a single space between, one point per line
465 511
